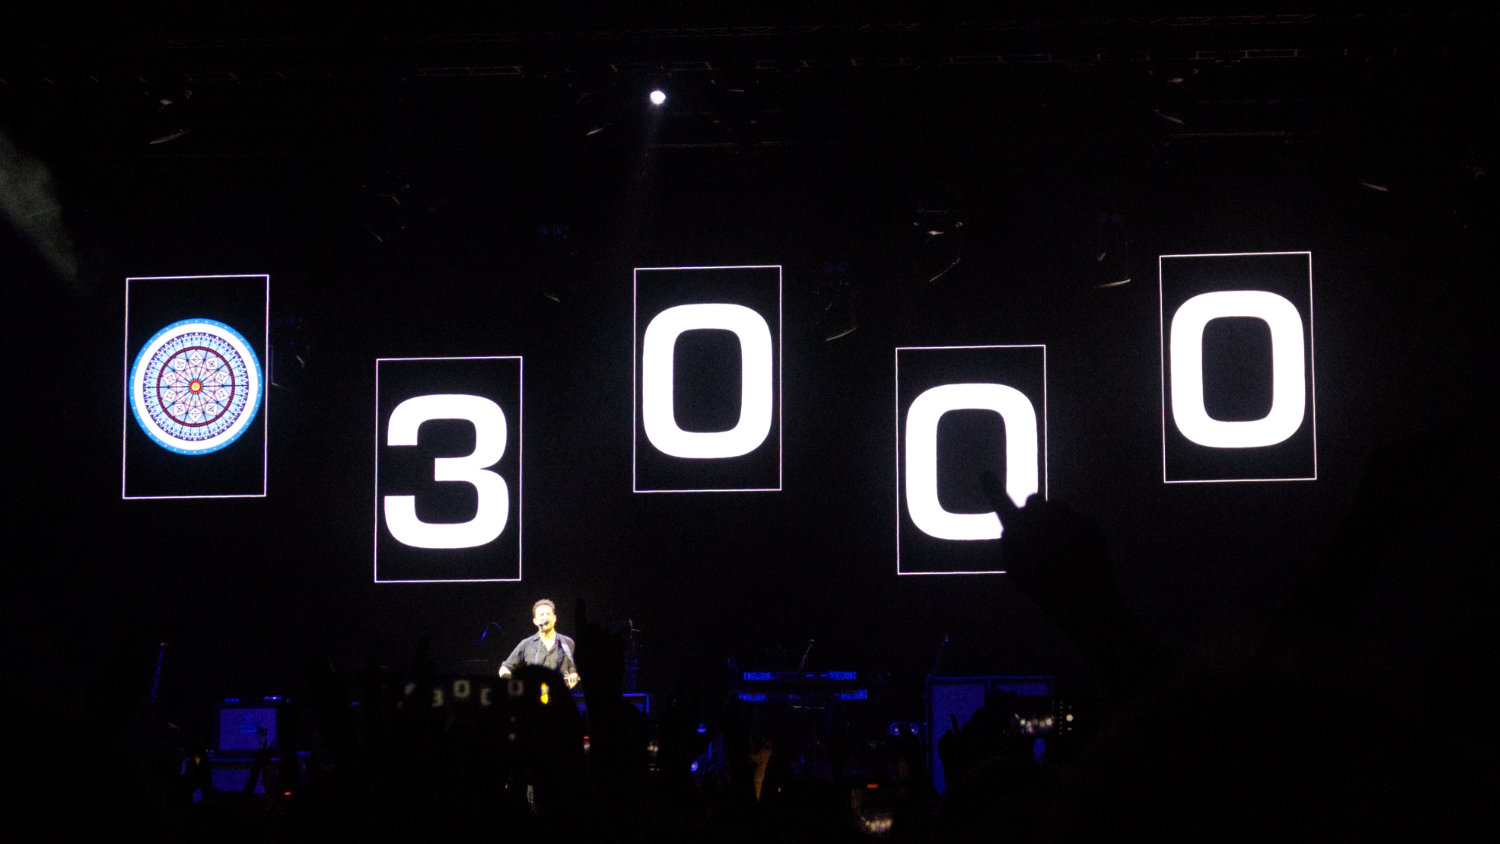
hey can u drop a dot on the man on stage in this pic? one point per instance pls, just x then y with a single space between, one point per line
546 647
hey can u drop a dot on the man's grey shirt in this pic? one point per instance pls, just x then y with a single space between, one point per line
532 651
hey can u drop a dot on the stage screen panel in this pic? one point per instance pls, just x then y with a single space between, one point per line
961 411
707 382
1237 368
194 422
448 469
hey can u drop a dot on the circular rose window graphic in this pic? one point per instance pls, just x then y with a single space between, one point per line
195 386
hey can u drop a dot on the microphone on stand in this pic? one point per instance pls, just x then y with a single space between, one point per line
939 661
486 632
161 657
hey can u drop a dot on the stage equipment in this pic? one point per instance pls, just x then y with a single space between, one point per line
245 724
805 689
956 699
940 243
835 296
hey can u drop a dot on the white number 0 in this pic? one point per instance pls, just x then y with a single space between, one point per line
493 510
756 385
1021 478
1288 387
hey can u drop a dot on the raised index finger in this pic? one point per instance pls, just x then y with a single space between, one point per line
999 498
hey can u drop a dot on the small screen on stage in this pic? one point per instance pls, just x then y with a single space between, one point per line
961 411
447 469
707 382
194 424
1237 368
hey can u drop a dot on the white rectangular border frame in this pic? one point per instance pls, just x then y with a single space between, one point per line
265 403
635 317
899 488
520 474
1312 369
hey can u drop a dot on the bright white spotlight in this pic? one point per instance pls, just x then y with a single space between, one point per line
658 97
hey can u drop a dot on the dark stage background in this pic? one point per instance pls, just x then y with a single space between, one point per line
481 185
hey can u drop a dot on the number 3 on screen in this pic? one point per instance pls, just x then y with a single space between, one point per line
493 509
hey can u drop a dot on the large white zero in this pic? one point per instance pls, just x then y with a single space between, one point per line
493 509
1288 389
1021 457
756 386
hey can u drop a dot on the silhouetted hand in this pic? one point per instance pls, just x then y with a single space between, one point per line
1052 553
1058 557
258 766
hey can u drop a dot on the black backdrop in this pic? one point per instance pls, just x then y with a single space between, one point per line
404 213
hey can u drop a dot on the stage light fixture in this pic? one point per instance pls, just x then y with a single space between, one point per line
835 297
658 96
941 245
1108 259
